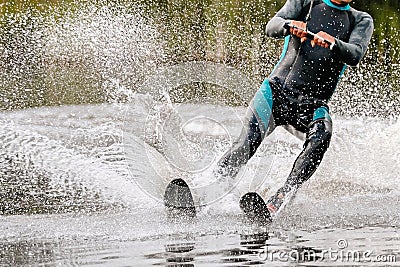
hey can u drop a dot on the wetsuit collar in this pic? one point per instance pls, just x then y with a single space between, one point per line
340 7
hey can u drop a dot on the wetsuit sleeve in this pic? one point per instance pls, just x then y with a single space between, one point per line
290 11
353 51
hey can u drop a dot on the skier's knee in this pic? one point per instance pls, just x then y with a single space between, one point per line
319 136
243 148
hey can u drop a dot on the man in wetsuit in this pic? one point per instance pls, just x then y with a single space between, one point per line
296 93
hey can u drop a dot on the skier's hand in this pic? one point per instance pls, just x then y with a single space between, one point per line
320 42
298 32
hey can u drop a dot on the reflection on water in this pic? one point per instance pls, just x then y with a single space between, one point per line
250 250
178 251
354 247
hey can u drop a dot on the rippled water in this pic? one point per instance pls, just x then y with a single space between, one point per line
230 248
76 159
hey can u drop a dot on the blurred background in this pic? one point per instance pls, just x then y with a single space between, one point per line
75 52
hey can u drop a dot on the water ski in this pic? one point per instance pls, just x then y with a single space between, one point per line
178 200
255 208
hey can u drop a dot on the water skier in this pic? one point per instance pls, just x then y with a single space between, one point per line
296 93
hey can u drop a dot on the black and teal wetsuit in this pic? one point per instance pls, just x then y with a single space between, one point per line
297 92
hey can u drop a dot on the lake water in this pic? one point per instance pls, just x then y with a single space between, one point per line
98 212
